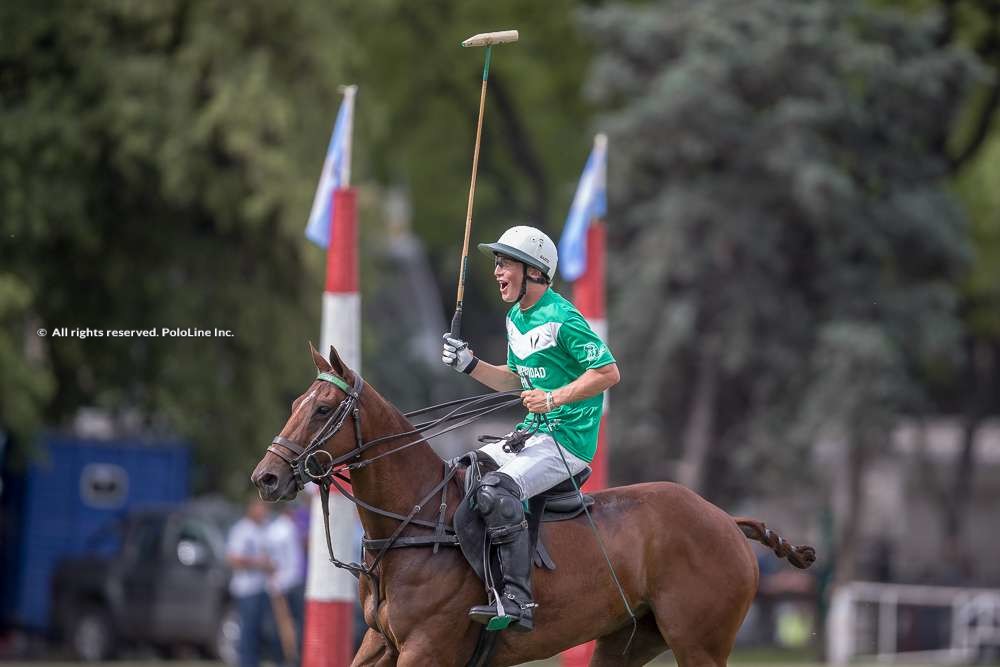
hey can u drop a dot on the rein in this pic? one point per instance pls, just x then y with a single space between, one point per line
306 467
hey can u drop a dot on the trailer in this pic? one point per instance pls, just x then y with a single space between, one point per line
59 505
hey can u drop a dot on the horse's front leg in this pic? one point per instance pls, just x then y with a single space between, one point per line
374 651
443 643
428 656
428 622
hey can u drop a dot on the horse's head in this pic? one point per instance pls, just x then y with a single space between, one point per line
320 422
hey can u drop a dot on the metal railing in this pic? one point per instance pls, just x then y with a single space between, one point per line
864 622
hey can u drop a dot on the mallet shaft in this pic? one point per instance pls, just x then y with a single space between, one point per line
472 191
487 39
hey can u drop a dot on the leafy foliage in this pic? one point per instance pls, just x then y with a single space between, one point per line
421 98
778 204
150 179
977 187
777 175
158 161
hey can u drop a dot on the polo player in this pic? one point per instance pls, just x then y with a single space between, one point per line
564 368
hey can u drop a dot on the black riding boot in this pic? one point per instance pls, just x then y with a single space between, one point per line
499 502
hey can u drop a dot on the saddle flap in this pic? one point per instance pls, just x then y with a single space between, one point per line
471 533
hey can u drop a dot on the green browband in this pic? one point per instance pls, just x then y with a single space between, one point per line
333 379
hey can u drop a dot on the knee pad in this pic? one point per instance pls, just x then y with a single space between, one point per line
498 500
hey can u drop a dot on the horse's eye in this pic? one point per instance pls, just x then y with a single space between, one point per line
323 410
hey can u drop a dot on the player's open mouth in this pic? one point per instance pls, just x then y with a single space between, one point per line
503 285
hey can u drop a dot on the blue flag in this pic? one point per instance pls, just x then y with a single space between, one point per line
589 203
336 172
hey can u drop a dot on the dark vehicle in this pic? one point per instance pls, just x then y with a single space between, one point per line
156 577
51 509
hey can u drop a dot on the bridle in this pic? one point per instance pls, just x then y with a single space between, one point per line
306 466
303 459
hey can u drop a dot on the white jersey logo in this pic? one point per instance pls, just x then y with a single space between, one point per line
534 340
531 373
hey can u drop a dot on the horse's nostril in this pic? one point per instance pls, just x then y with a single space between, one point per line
267 481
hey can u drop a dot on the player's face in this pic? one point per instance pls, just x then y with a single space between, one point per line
509 274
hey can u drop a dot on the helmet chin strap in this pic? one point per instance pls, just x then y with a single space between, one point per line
524 282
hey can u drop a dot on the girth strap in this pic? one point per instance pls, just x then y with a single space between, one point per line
358 569
386 513
410 541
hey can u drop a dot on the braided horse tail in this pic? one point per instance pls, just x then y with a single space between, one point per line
801 557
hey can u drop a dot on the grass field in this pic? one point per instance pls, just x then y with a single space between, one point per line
735 662
749 658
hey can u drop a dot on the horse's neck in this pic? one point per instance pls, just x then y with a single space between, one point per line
399 480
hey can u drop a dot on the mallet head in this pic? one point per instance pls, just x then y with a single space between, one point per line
491 38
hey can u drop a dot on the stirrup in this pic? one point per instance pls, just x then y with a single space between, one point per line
522 623
522 620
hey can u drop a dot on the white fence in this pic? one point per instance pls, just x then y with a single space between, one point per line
899 623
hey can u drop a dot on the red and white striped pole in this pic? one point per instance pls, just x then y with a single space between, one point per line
328 636
589 298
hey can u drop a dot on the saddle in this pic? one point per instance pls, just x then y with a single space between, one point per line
560 503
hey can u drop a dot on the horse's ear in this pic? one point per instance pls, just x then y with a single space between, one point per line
338 364
322 365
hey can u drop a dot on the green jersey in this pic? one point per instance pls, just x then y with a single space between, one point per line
549 345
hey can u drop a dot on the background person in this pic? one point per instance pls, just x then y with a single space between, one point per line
247 554
287 581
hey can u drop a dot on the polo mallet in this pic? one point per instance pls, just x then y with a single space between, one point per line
487 39
286 626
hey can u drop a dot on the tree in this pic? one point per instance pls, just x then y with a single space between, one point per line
968 387
150 177
421 96
777 180
26 381
157 164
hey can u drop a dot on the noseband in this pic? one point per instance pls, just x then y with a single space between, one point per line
303 460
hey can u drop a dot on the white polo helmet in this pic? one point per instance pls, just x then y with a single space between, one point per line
529 245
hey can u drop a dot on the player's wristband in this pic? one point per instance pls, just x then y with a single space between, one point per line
549 401
472 365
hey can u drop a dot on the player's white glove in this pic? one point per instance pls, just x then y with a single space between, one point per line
456 353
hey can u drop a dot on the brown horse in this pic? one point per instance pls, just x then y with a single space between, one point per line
685 565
